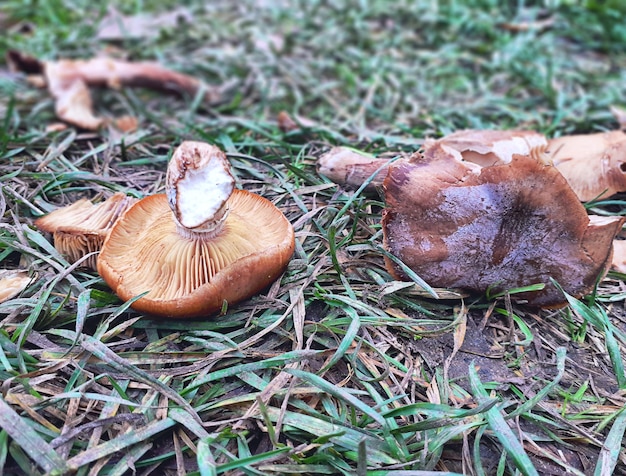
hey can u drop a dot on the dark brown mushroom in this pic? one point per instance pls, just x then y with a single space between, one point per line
461 225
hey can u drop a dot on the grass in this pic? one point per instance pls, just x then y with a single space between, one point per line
336 369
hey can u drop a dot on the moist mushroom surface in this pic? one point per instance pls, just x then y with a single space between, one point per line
460 225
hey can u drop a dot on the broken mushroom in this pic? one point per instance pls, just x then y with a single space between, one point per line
458 224
350 167
490 147
201 245
69 80
80 228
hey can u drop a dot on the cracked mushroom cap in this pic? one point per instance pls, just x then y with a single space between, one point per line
80 228
490 147
460 225
198 246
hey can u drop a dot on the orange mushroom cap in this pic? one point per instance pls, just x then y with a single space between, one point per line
460 225
80 228
242 247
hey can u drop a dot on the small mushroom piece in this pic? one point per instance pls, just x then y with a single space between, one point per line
593 164
352 168
619 256
80 228
12 282
200 245
499 227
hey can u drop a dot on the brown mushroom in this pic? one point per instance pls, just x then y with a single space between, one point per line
350 167
69 80
593 164
212 245
618 263
80 228
461 225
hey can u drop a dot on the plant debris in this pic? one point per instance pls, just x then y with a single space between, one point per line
68 81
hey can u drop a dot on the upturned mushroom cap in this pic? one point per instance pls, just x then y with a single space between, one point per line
193 275
80 228
593 164
460 225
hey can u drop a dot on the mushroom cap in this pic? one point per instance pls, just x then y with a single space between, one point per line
593 164
491 147
80 228
193 275
499 227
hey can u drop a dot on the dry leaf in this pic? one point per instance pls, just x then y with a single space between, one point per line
461 225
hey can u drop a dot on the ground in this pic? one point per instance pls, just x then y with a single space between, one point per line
336 368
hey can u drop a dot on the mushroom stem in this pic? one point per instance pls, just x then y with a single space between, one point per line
198 185
352 168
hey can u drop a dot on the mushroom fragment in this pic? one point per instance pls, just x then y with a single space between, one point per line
69 80
593 164
352 168
80 228
618 262
458 224
12 282
199 246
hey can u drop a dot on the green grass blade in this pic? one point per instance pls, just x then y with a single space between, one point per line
28 439
610 452
501 429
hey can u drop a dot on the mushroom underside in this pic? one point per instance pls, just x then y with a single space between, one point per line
194 275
